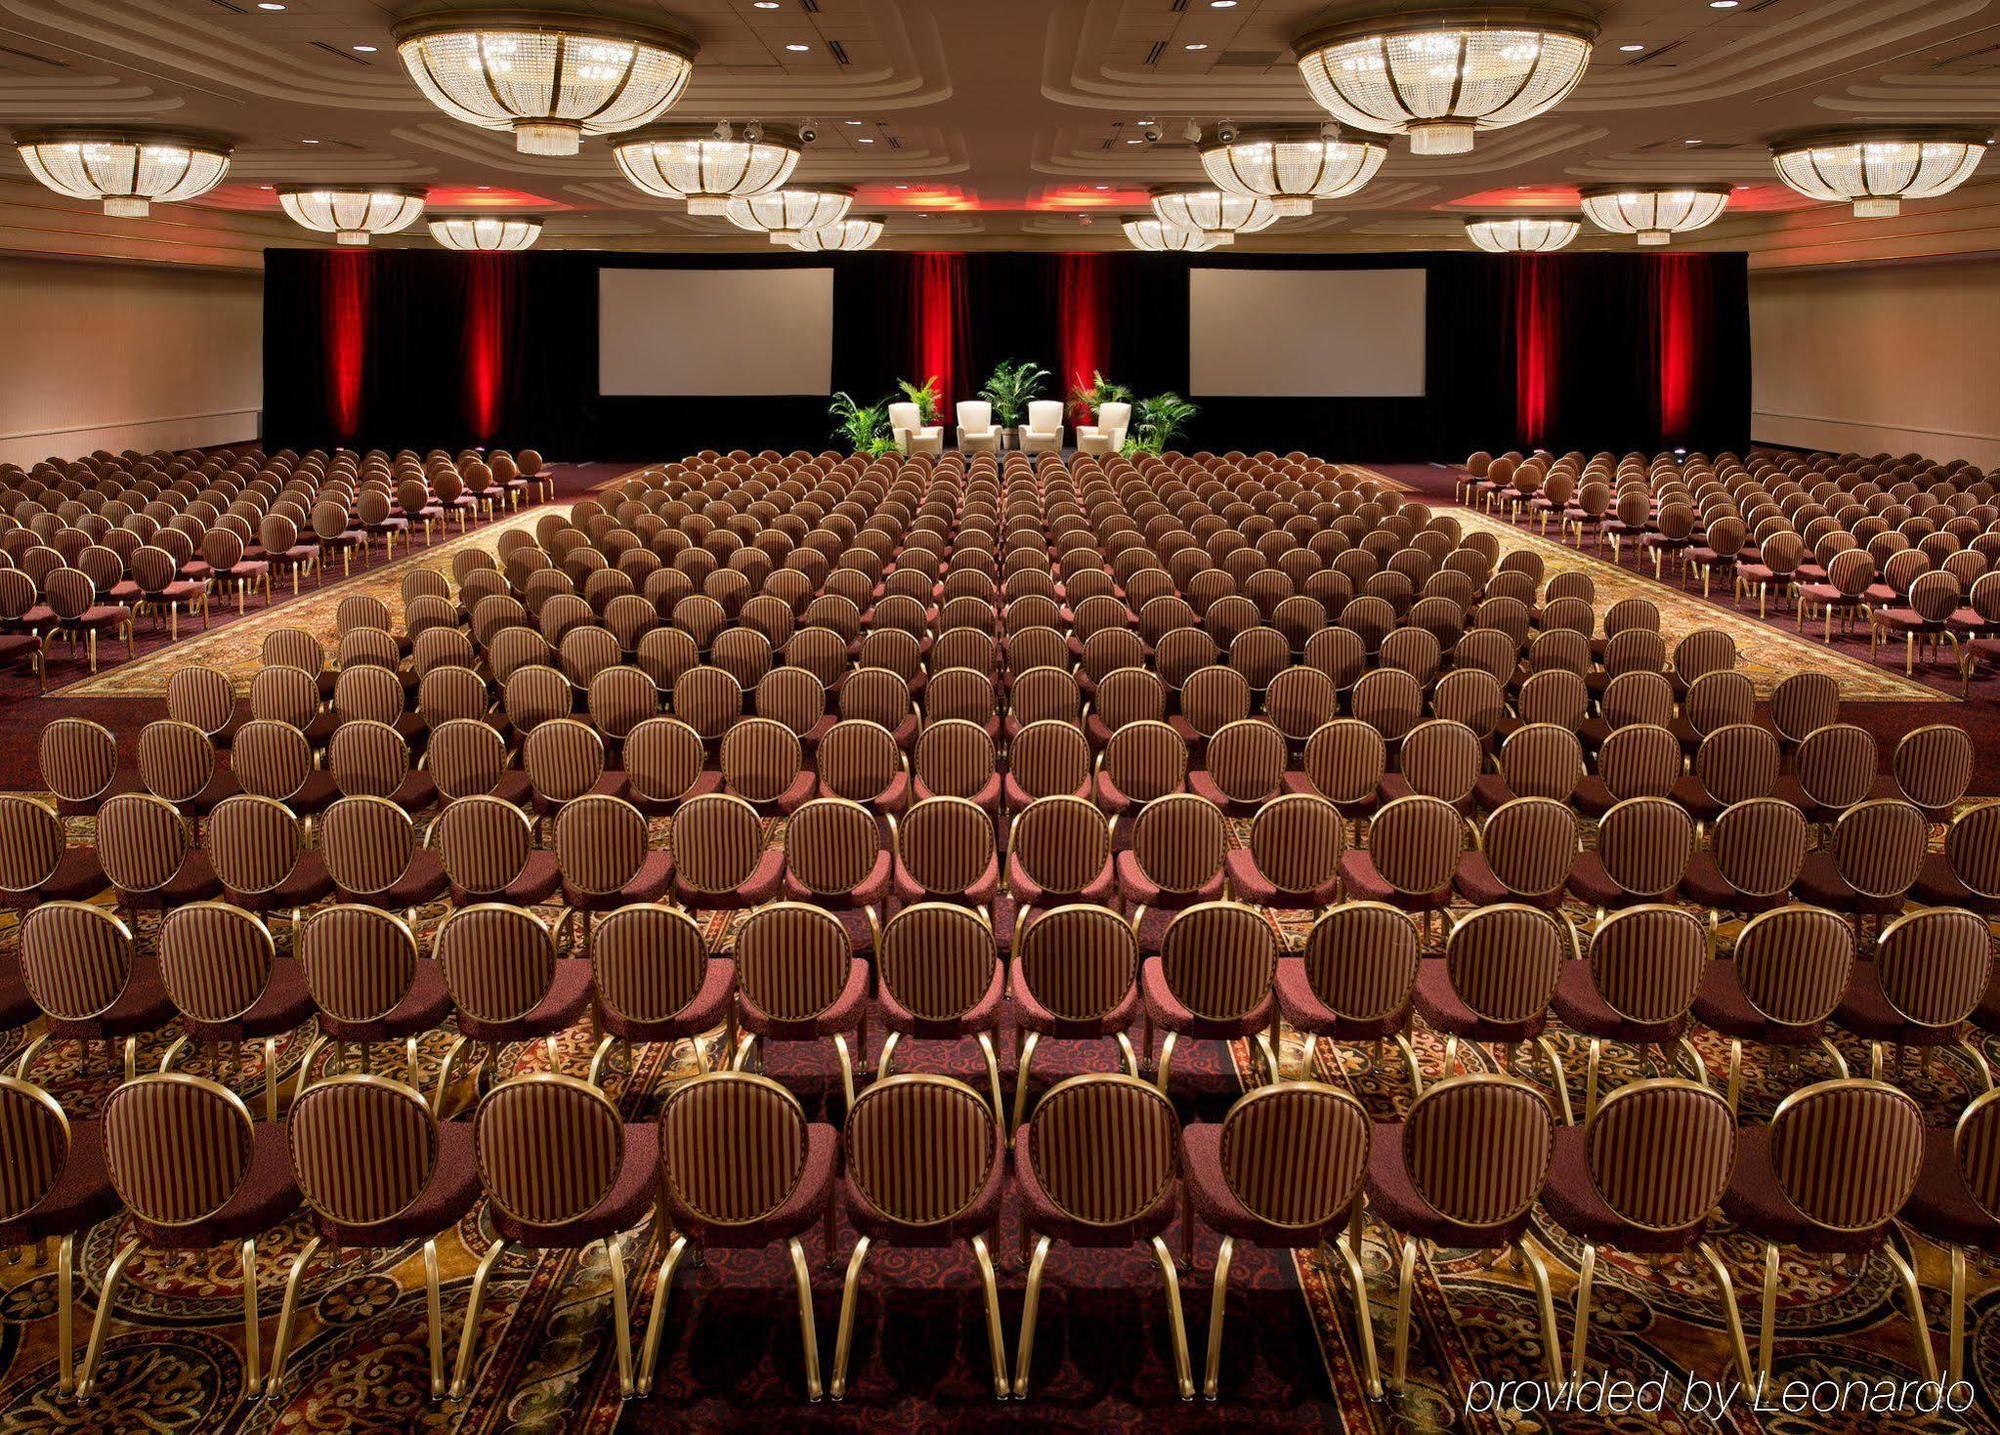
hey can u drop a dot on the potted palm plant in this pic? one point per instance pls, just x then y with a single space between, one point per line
924 396
864 426
1013 386
1158 421
1092 397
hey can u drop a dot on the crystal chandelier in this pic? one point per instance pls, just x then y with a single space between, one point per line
486 233
1441 73
1877 169
847 234
702 165
352 212
551 76
1522 233
785 213
128 170
1216 215
1151 234
1292 165
1656 213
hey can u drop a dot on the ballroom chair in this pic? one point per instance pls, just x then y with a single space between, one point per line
1956 1204
1043 432
798 979
1213 981
655 981
1075 977
1780 985
370 984
911 435
1107 434
976 430
222 972
507 985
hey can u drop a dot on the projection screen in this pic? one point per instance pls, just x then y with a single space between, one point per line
1306 333
714 331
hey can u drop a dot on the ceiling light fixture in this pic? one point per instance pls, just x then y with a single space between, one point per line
784 213
1656 213
798 49
1194 47
1631 49
1150 234
1441 73
486 233
690 162
550 76
127 170
1213 213
1876 169
1522 233
1292 165
847 235
352 213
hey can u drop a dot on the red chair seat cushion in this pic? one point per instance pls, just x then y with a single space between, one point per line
1940 1208
81 1197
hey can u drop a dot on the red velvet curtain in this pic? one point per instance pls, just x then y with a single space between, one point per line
1537 306
941 329
1083 310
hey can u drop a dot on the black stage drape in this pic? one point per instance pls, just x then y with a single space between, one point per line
420 348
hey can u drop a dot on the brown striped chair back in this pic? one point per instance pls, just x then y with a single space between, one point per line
648 961
1760 846
876 695
32 843
1219 959
1717 699
708 700
937 960
959 695
1389 700
945 844
761 759
1555 696
254 844
465 758
1835 765
1297 841
1063 844
619 699
1933 765
1972 847
483 844
564 759
1803 704
359 961
497 961
1648 962
1263 1136
1645 844
663 759
1180 842
1880 845
1530 844
856 760
1144 761
717 841
549 1147
921 1148
1361 960
76 959
1079 961
367 758
832 846
1504 961
1345 760
1793 963
369 692
1246 760
367 843
141 841
202 697
1934 965
176 760
77 758
363 1148
176 1147
1441 758
1976 1145
1478 1147
1738 761
1704 651
1416 842
1847 1153
1661 1152
35 1137
792 960
793 697
732 1146
271 759
1106 1148
954 756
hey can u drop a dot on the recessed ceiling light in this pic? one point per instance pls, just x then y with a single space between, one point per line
850 122
866 140
1690 141
1222 4
1104 186
1135 142
902 186
764 4
1722 4
486 186
1631 49
1194 47
798 49
308 141
269 5
364 49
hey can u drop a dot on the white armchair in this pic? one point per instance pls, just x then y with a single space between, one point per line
976 433
1043 432
1107 435
911 435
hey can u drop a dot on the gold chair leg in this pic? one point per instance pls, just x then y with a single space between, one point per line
1920 1334
1548 1049
621 1317
1024 1351
1731 1316
1580 1340
253 1340
106 1299
434 1318
1364 1321
992 1056
889 1045
996 1340
1767 1313
1024 1061
66 1310
595 1073
1217 1301
1167 1057
288 1312
846 1069
806 1327
656 1322
1954 1355
1551 1337
444 1074
1176 1319
849 1298
463 1370
1405 1278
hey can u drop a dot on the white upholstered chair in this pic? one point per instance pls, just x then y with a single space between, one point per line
911 435
1043 432
1107 435
976 433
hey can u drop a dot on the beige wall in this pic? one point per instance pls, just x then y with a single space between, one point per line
1894 357
117 356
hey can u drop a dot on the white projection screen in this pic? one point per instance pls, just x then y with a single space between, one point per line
1306 333
714 332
